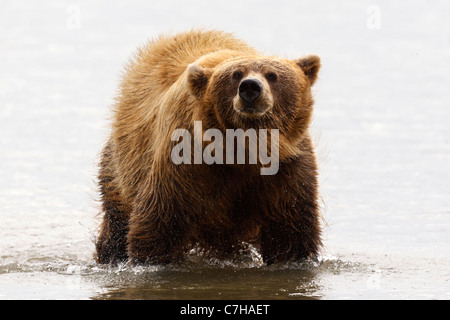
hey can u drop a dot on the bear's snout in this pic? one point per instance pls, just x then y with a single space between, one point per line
250 90
253 98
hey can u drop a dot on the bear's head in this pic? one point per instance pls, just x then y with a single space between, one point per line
256 92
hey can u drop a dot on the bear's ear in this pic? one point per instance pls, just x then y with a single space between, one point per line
310 65
197 78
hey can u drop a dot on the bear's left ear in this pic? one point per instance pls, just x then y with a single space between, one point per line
197 78
310 65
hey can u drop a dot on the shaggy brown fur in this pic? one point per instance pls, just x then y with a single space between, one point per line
155 210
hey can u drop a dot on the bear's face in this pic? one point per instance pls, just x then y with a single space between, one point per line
257 92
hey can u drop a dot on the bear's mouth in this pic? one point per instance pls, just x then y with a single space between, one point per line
250 110
249 116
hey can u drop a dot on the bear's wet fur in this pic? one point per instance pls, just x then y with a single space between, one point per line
154 210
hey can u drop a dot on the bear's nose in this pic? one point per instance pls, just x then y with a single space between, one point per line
250 90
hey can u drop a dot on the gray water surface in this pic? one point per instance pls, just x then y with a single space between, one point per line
381 126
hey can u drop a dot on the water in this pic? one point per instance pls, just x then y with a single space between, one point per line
381 125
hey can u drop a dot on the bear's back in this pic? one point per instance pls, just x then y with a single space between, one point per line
166 58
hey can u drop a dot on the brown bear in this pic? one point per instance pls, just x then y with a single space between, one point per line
156 210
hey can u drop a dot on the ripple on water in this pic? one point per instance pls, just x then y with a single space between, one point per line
198 277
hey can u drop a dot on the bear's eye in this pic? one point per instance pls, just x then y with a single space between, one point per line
237 75
271 76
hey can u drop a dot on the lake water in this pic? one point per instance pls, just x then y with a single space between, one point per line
381 125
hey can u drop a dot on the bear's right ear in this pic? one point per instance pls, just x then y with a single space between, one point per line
310 65
197 78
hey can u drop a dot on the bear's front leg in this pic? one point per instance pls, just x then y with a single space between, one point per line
289 242
290 228
157 228
111 242
153 238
